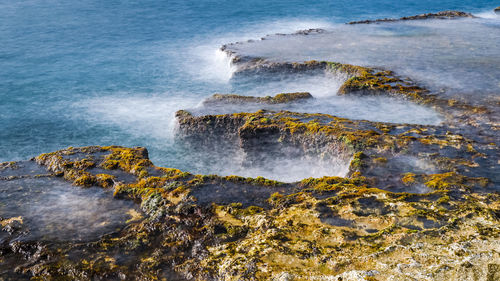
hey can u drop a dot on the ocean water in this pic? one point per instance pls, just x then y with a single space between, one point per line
88 72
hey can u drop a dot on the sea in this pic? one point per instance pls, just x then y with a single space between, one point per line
87 72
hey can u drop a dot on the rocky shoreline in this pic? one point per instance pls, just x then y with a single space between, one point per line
418 202
439 15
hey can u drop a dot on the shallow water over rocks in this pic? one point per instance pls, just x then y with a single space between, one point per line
41 207
457 57
323 87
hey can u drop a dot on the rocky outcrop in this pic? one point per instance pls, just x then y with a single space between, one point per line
228 99
380 151
412 193
261 136
199 227
497 10
438 15
310 31
443 15
418 202
361 80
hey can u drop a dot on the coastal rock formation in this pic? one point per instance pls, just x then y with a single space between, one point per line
411 205
361 81
438 15
219 99
497 10
380 151
199 227
416 202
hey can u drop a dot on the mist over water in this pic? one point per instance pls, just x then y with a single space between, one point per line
324 88
455 57
286 168
136 114
59 211
99 73
206 62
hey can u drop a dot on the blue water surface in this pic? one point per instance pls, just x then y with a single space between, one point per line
87 72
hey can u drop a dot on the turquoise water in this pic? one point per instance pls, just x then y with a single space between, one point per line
77 73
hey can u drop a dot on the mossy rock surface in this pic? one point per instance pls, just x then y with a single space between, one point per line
210 227
418 202
438 15
228 99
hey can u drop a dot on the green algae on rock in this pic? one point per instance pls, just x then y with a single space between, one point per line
371 148
237 99
414 202
231 228
362 81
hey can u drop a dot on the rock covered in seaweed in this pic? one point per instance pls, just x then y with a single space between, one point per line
359 80
417 202
438 15
383 152
261 59
218 99
232 228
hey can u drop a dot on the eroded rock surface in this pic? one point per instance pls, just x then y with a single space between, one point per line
220 99
199 227
438 15
415 202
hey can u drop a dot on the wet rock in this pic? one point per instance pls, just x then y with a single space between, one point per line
261 137
497 10
417 201
438 15
220 99
212 227
310 31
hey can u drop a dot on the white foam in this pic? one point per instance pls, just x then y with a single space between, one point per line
215 65
320 85
139 115
324 88
489 14
284 168
290 169
206 62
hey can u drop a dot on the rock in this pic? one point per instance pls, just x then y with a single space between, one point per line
285 276
198 227
438 15
310 31
387 219
260 136
220 99
497 10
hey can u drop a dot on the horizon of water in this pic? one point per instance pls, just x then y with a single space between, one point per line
79 73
